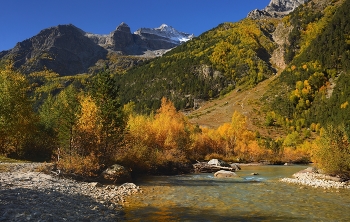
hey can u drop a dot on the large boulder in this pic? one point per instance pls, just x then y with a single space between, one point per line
225 174
219 163
115 174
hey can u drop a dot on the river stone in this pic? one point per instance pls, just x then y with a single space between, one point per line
96 184
225 174
217 162
235 166
115 174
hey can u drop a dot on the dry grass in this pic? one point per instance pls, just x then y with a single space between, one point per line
4 159
4 168
214 113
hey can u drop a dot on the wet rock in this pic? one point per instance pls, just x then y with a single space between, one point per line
225 174
235 166
204 167
115 174
217 162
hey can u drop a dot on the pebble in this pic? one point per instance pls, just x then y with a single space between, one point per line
29 195
313 179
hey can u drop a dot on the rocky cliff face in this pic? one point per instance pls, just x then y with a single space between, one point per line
64 49
280 37
276 8
68 50
141 41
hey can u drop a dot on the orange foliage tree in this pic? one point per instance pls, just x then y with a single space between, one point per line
231 141
158 141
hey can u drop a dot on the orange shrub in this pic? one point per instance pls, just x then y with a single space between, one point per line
86 166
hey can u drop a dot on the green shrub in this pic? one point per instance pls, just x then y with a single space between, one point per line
333 151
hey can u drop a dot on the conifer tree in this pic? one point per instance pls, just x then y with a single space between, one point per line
105 93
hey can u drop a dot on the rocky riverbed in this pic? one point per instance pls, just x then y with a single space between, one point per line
309 177
28 194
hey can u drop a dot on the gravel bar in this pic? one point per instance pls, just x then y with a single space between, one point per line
26 194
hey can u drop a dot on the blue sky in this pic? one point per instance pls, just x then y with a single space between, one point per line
22 19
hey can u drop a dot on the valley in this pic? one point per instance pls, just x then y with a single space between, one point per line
158 99
267 97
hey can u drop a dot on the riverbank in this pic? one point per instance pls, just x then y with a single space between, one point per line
29 194
308 177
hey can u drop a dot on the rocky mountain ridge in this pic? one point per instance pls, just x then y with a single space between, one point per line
68 50
63 49
123 41
276 9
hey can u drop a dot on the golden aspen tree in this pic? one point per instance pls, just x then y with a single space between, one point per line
88 127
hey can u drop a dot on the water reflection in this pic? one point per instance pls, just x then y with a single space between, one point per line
201 197
150 213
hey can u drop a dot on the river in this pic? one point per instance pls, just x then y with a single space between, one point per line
201 197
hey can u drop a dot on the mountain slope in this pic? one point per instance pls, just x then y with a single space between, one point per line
63 49
313 89
249 102
312 92
231 55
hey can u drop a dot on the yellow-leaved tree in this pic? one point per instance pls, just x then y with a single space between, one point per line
332 151
160 142
17 118
86 153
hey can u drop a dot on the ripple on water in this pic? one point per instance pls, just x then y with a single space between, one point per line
201 197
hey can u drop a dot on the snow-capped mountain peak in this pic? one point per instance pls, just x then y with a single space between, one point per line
166 31
164 27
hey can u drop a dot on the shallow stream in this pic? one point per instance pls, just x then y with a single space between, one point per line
201 197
